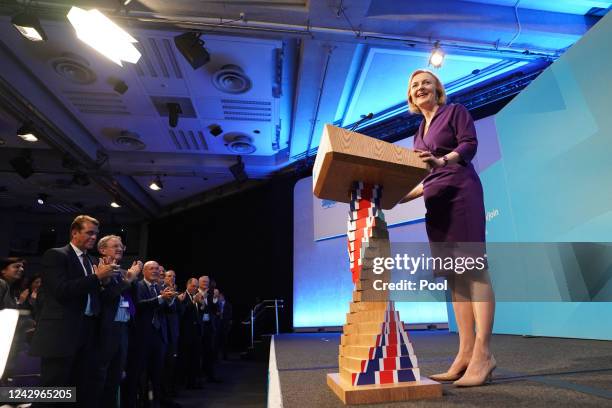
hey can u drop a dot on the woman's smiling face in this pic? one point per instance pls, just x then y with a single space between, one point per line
423 90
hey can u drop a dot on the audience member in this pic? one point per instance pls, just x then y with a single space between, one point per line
190 339
65 334
11 272
117 309
148 335
172 318
225 314
208 308
34 301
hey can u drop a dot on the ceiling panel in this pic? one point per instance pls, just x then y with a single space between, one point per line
580 7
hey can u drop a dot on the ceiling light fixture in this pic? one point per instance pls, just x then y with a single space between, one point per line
436 58
174 111
99 32
25 133
156 184
42 199
115 204
192 47
29 26
238 171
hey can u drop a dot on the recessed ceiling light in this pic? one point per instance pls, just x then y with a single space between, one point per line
156 184
25 133
29 26
115 204
42 199
99 32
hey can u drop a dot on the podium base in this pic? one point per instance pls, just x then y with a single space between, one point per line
371 394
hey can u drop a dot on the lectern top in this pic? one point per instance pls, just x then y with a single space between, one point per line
345 157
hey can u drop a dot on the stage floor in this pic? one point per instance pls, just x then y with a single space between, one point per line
532 371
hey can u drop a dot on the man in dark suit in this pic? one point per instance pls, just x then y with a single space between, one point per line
117 309
172 318
190 338
225 314
148 335
208 310
65 334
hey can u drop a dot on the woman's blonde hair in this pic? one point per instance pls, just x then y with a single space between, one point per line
441 93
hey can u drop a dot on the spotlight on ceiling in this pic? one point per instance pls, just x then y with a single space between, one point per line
42 199
118 85
436 58
215 130
99 32
174 110
238 171
156 184
29 26
27 134
23 164
115 203
192 48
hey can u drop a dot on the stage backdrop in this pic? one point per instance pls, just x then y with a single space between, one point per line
555 140
544 162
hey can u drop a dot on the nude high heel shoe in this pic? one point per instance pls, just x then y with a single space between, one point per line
447 377
479 380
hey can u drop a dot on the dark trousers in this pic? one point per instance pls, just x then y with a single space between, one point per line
169 379
190 355
75 370
209 354
111 359
144 359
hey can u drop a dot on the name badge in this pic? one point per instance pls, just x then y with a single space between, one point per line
124 303
206 317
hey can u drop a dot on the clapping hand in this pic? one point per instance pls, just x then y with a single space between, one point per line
23 296
182 296
134 270
198 297
105 268
167 294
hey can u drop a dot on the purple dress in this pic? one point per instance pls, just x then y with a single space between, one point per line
453 194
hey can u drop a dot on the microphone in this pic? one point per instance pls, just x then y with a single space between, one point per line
364 118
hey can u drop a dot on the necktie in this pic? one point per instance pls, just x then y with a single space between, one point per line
155 320
93 299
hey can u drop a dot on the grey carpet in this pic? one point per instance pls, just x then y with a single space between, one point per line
532 372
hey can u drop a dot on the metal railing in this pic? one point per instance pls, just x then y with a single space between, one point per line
258 310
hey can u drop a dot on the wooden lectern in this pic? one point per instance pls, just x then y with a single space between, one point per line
376 361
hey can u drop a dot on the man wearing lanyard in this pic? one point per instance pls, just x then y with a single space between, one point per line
65 333
208 307
117 309
148 335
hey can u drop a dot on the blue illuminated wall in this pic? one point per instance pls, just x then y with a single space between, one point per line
322 285
552 183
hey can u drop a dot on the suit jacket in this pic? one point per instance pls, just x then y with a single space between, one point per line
7 301
109 300
173 312
65 292
147 306
226 314
190 322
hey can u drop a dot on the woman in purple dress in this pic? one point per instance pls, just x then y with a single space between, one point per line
455 220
